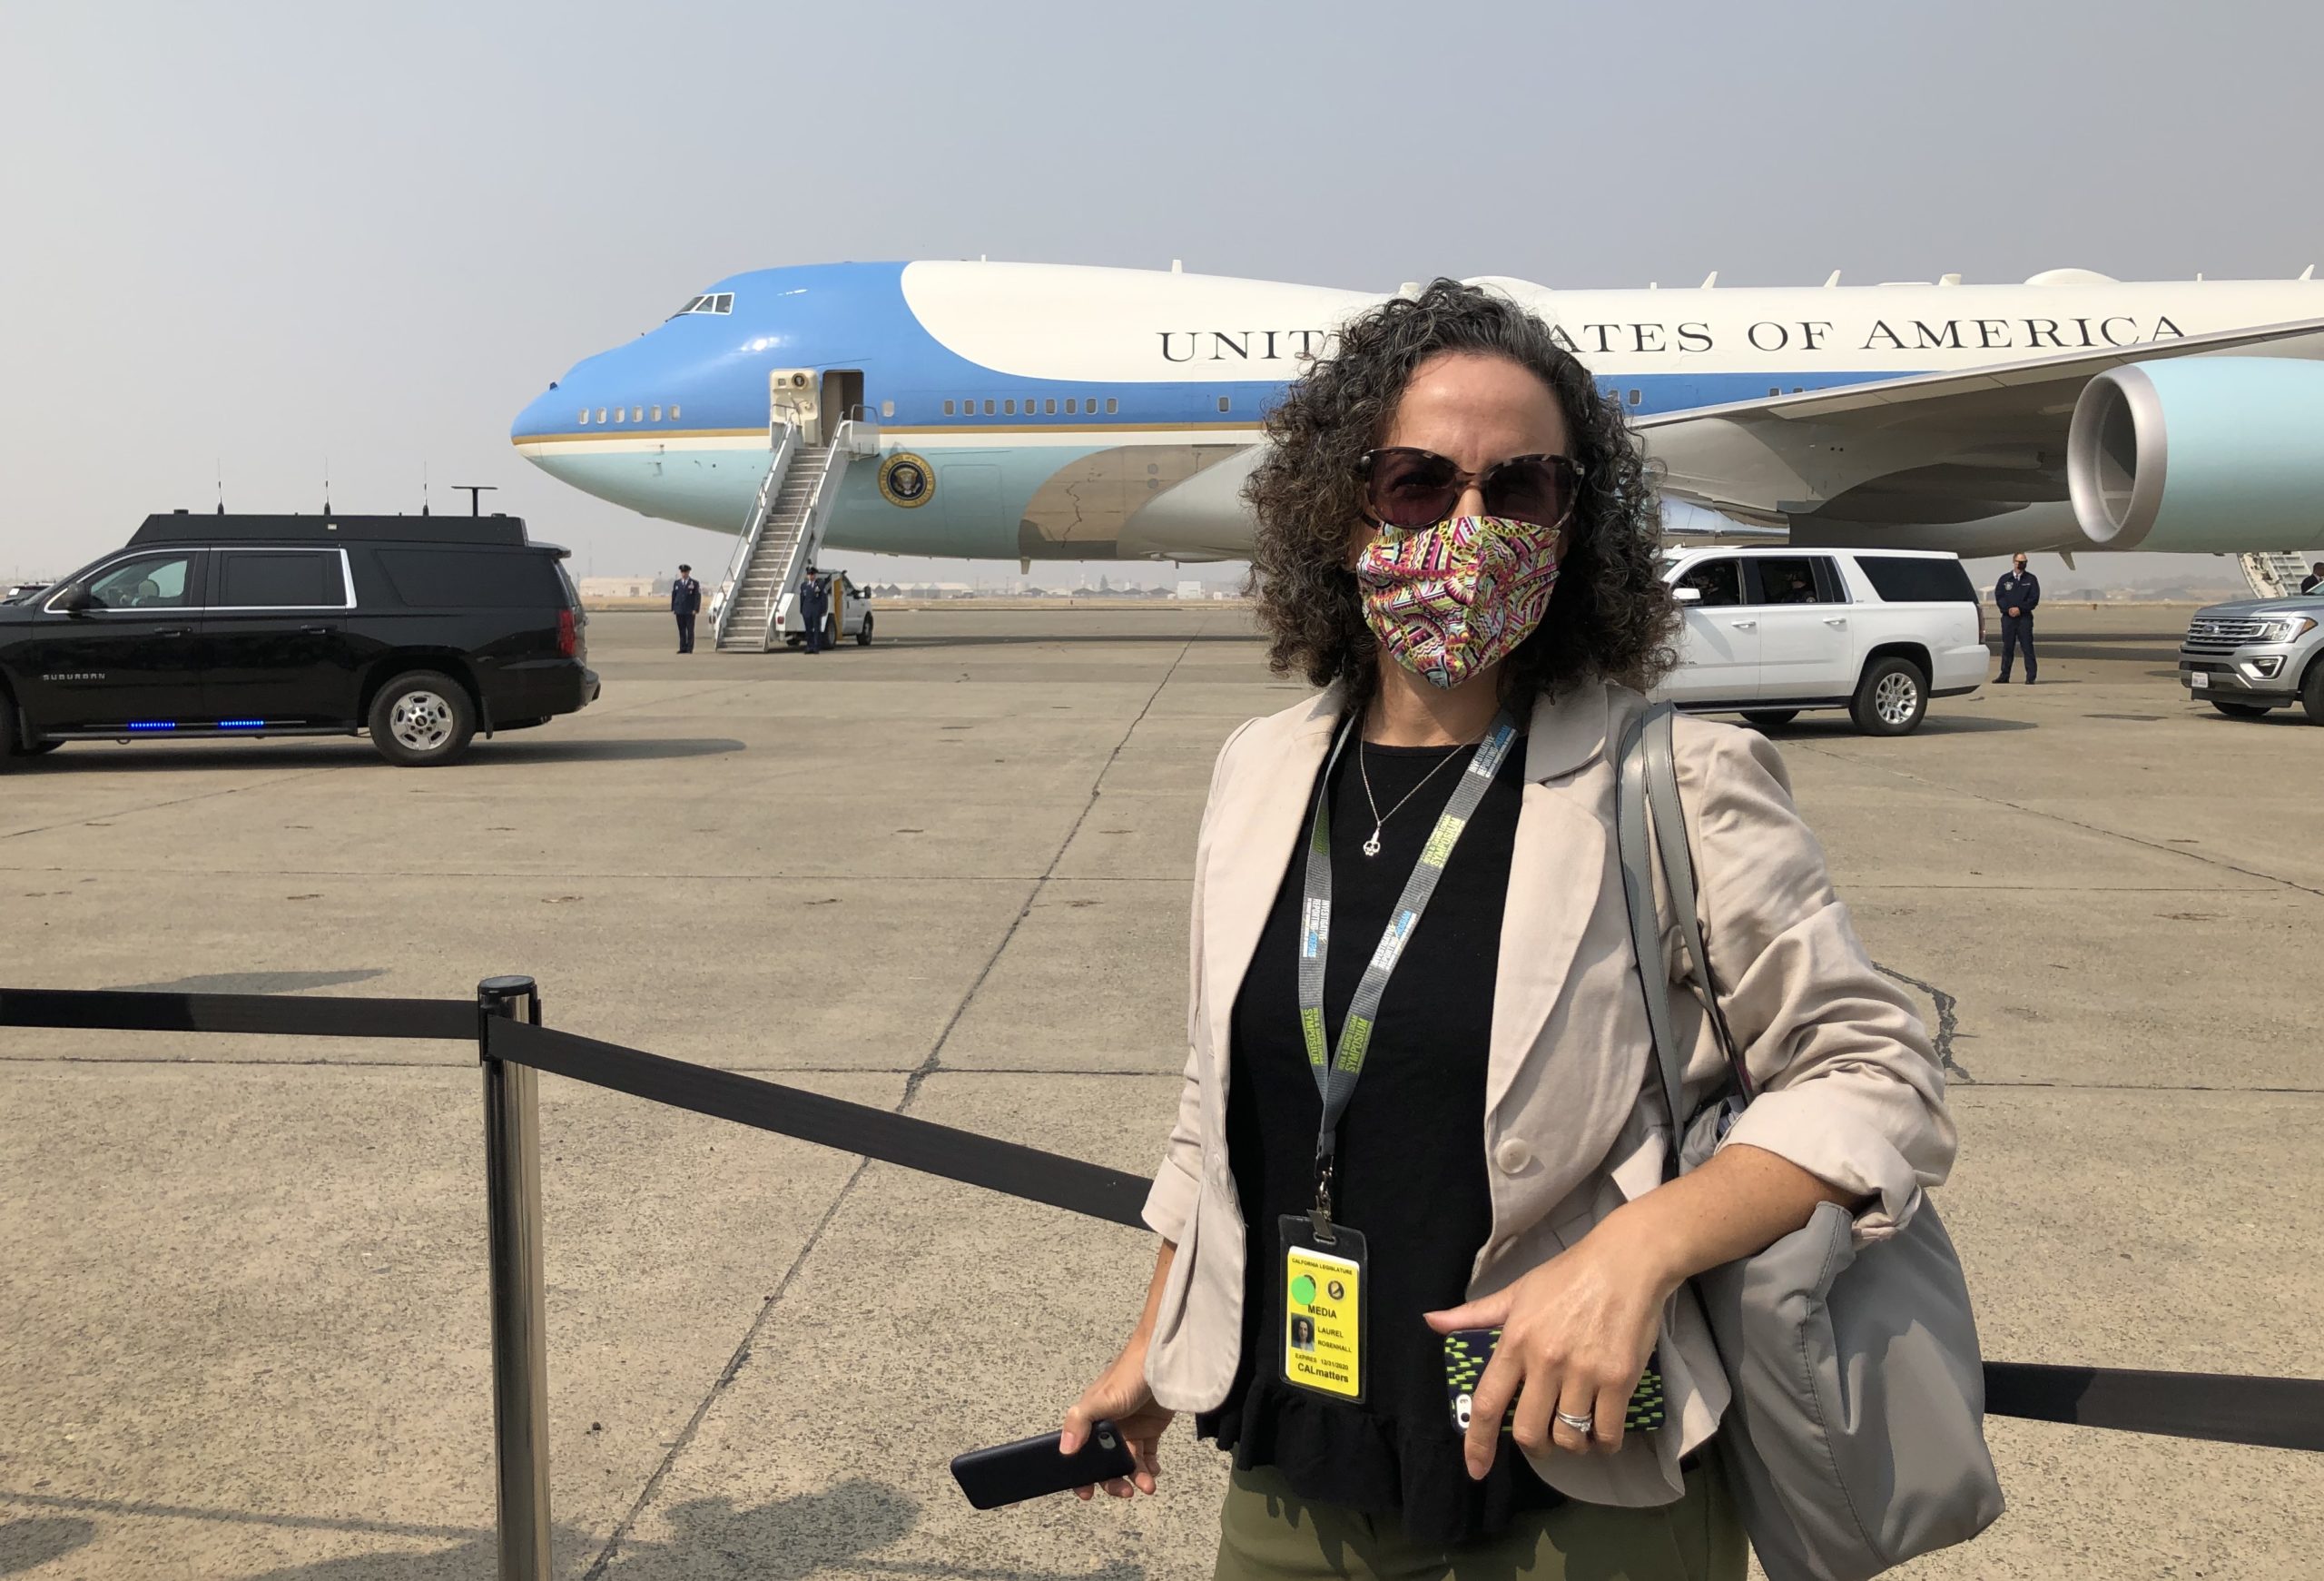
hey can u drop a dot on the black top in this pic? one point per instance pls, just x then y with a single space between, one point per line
1410 1165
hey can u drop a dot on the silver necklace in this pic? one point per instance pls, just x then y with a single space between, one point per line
1379 819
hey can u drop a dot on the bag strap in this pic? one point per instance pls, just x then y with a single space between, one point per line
1646 936
1669 823
1647 773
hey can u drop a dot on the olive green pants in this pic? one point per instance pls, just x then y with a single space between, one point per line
1268 1533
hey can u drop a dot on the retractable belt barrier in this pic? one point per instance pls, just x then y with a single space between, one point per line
269 1014
2283 1413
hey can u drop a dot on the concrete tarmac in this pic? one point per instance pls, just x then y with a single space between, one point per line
242 1332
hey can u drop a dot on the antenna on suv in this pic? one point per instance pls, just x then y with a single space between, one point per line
476 493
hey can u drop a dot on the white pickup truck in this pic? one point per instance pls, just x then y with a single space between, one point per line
1772 631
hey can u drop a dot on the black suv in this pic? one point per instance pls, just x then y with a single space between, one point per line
422 629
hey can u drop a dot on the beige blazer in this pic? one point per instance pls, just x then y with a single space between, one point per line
1574 1123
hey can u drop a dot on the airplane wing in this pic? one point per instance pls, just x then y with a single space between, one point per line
1933 448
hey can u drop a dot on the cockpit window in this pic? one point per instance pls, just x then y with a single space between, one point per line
722 303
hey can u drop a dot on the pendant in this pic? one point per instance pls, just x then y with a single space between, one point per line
1371 846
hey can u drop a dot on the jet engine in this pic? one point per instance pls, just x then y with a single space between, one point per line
2201 454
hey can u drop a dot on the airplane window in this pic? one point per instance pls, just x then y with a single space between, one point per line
1775 389
1721 582
1010 407
1224 402
692 302
1048 407
637 414
657 414
1111 405
1633 397
601 414
584 414
1072 405
673 414
948 409
620 413
886 408
726 302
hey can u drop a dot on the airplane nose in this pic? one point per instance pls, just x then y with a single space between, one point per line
549 413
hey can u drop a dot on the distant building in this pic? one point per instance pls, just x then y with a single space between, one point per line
1193 590
624 587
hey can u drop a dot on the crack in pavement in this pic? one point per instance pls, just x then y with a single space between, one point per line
230 790
1947 1022
2098 829
928 1066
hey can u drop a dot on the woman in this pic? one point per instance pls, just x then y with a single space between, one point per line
1457 541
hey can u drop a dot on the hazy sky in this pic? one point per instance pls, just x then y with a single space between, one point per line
253 236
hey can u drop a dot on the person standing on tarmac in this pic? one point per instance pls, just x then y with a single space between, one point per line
2313 580
2016 594
685 603
814 607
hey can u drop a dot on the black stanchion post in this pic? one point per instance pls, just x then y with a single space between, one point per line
512 1164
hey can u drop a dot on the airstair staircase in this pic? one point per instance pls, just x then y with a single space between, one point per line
785 531
2274 575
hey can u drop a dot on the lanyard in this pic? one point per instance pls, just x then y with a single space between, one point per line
1337 1071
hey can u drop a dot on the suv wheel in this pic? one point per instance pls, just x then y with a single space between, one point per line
421 719
2312 692
863 635
2240 710
1771 718
7 731
1891 699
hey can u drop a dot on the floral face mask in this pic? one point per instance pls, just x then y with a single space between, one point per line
1450 600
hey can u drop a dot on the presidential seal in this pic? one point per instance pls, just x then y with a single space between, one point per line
907 479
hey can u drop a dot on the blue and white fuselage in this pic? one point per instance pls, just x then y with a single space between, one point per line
1063 412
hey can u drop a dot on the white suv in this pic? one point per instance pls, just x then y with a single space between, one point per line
1772 631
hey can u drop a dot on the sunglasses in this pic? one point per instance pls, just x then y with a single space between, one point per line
1408 488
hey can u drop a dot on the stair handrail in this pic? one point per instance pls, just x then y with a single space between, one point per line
819 505
782 443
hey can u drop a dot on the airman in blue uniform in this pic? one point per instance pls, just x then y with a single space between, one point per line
2016 594
685 603
814 608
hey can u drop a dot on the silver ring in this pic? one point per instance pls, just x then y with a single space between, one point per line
1579 1424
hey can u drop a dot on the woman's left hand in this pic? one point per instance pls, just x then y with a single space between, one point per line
1576 1334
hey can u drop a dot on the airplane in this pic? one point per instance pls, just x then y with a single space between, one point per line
1033 411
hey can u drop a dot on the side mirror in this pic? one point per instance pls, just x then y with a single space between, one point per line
79 601
1688 595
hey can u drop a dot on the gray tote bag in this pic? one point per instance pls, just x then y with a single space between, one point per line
1856 1436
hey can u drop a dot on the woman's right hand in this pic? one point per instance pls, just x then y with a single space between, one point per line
1121 1396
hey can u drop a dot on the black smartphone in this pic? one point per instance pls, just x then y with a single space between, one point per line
1031 1467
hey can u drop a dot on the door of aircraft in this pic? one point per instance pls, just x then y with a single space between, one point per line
1804 646
1718 652
791 397
842 393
